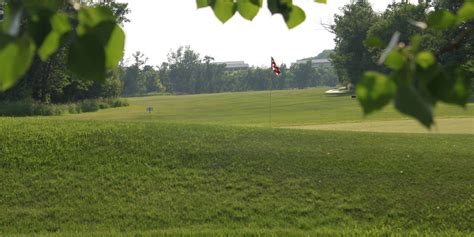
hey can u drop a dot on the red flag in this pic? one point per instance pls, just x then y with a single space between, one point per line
275 68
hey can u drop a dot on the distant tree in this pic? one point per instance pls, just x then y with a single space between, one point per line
303 75
326 76
133 82
325 54
456 45
151 79
398 17
183 68
281 82
351 58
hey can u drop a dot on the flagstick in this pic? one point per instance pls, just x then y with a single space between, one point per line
270 109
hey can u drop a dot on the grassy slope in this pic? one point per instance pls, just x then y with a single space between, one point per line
290 107
92 176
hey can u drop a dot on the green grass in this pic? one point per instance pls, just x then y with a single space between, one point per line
290 108
96 178
183 171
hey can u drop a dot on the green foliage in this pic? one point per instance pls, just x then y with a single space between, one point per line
419 88
395 60
294 17
139 78
99 44
425 59
325 54
186 72
441 20
351 58
89 106
423 78
60 26
48 79
409 101
39 27
466 12
375 91
223 9
16 56
451 86
248 9
375 42
292 14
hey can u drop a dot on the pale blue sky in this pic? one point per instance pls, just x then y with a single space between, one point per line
160 25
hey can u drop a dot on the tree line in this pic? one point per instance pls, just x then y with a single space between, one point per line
186 72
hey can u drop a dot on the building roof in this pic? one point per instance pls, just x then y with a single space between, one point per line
233 64
313 61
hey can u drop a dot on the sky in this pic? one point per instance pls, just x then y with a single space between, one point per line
157 27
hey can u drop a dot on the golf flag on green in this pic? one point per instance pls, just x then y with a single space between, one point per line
275 68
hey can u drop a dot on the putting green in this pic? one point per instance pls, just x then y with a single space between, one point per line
445 125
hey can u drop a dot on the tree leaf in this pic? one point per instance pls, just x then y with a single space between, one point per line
16 56
40 14
90 17
373 41
425 59
114 47
395 60
409 102
294 17
39 25
86 58
451 86
466 12
248 9
441 19
99 46
279 6
321 1
415 42
60 26
202 3
223 9
374 91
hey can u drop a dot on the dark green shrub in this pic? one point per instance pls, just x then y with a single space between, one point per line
74 109
114 103
89 106
28 107
103 105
